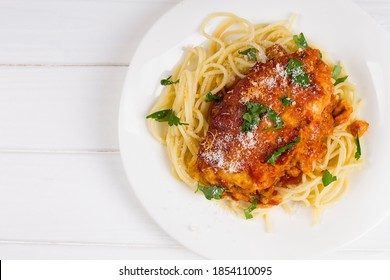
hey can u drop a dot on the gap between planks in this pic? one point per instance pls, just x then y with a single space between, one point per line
59 151
100 244
63 65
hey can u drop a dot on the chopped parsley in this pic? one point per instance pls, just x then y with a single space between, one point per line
328 178
252 116
279 152
168 81
300 40
336 71
250 208
286 101
211 192
358 149
275 118
340 80
211 97
297 72
167 115
250 53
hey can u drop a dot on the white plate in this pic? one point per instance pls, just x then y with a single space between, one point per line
346 33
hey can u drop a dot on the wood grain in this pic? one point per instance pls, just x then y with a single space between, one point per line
87 33
64 194
85 200
76 32
60 108
72 198
23 251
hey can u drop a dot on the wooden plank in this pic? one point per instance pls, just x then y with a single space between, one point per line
92 32
91 252
379 10
94 252
60 107
358 255
85 200
72 198
74 32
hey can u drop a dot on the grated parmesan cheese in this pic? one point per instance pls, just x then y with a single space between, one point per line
280 71
270 82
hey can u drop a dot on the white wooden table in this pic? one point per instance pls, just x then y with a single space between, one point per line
63 190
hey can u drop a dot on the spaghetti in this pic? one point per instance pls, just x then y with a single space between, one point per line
208 70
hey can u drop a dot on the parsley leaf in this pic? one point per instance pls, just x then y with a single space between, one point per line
358 149
279 152
336 71
286 101
320 53
167 115
211 97
210 192
250 53
328 178
250 208
300 40
297 72
168 81
251 117
275 118
340 80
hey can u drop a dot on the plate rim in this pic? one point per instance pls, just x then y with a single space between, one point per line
120 130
